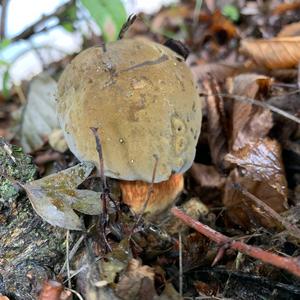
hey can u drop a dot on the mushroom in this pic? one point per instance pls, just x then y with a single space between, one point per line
142 97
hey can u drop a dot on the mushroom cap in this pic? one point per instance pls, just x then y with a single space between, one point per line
142 98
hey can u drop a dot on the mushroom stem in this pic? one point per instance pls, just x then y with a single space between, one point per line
134 194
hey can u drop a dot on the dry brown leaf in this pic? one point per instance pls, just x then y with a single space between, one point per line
290 30
263 176
207 176
244 212
172 16
216 122
219 24
262 161
249 122
275 53
219 71
137 283
283 8
51 290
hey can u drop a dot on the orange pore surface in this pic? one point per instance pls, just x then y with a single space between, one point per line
134 193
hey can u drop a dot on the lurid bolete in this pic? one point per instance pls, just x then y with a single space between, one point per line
142 97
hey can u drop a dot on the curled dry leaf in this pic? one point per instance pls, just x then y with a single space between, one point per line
207 176
249 122
216 122
220 71
54 197
137 282
51 290
221 24
275 53
39 117
263 176
283 8
290 30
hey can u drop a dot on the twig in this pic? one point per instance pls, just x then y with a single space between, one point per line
68 258
72 253
104 196
290 264
259 103
292 229
126 25
100 155
75 293
28 32
4 4
180 265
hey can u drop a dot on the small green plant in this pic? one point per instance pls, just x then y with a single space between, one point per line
231 12
110 15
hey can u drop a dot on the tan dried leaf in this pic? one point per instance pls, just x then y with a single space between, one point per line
137 282
263 176
249 122
243 211
207 176
275 53
290 30
261 161
216 122
220 71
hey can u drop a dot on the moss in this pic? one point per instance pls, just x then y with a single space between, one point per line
14 166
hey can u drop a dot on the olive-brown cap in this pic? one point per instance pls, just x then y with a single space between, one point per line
142 97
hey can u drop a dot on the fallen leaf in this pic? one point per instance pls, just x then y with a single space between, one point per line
220 27
115 261
220 71
243 211
173 16
207 176
137 282
204 288
263 176
51 290
39 115
54 197
283 8
169 293
261 161
275 53
216 122
249 122
290 30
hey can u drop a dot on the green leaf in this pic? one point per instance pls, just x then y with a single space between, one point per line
4 43
68 26
110 15
5 83
231 12
54 197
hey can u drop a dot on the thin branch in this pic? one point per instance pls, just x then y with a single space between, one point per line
29 31
100 154
4 5
180 265
292 229
258 103
290 264
126 26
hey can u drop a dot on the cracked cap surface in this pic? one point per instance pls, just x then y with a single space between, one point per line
142 98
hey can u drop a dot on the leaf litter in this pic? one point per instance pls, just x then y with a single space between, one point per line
240 183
